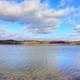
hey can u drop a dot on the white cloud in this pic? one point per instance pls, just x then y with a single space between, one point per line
39 17
58 13
4 35
77 27
74 36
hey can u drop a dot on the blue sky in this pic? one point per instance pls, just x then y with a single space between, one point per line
40 19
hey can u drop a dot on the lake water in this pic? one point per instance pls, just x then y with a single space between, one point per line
55 60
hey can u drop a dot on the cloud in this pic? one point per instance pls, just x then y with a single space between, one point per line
75 35
77 27
38 17
4 35
7 35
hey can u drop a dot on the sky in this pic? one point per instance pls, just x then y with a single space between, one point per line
40 19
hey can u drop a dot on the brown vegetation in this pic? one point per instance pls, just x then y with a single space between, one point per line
34 42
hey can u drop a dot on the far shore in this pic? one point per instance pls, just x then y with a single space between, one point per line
35 42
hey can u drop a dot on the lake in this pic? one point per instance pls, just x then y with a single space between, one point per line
45 62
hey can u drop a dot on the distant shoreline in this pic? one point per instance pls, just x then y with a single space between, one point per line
34 42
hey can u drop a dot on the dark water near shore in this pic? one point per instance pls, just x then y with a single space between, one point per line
51 59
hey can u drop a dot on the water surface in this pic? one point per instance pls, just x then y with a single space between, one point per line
52 59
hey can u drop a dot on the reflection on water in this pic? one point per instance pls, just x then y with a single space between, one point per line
18 58
48 59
